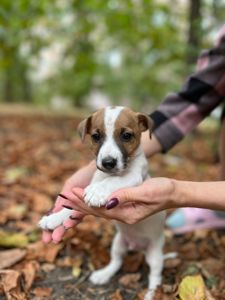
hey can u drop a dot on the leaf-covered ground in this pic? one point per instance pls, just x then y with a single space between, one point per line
38 152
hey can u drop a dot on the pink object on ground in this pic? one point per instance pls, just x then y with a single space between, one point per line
195 218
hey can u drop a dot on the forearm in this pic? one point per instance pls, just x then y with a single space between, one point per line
210 195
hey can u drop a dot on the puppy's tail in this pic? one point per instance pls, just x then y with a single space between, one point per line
170 255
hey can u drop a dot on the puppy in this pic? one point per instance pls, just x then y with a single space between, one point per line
116 134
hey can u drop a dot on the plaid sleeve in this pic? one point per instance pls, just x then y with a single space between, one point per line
181 112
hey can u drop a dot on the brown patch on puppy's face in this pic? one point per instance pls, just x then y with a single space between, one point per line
93 126
128 129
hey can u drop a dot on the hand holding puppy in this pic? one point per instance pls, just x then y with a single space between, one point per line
79 179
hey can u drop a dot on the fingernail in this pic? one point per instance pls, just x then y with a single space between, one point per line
68 207
112 203
74 218
61 195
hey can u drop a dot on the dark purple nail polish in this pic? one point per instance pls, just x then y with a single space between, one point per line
74 218
112 203
68 207
63 196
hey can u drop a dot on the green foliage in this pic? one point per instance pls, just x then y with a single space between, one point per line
127 49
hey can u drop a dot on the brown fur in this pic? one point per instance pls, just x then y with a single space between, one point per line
128 121
91 125
134 123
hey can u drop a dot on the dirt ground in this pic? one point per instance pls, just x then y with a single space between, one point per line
38 152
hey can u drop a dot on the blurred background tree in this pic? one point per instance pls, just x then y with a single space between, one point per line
133 51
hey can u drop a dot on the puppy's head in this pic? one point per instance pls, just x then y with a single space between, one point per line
115 134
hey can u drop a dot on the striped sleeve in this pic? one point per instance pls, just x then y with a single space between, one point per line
204 90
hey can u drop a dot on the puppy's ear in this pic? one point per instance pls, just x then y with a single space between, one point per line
84 128
145 123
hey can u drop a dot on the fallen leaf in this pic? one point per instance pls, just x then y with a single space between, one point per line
47 267
169 288
11 285
192 288
17 212
41 202
42 292
172 263
133 262
116 296
43 252
9 257
129 280
8 239
13 174
76 270
29 271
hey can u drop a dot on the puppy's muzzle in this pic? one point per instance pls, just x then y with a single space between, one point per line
109 163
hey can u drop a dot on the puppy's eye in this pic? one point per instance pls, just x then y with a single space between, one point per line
126 136
96 137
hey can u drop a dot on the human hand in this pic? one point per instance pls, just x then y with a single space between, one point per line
80 178
131 205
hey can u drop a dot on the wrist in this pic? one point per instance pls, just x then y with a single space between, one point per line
150 146
177 195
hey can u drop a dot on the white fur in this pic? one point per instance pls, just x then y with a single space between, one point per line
146 235
110 148
54 220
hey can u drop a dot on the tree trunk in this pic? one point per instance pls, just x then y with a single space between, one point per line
8 86
195 30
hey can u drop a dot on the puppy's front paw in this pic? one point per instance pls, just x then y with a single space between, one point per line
99 277
55 219
96 194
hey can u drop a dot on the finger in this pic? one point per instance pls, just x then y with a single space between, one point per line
123 196
58 234
78 192
74 219
71 223
46 236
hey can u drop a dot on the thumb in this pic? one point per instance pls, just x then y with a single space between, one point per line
125 195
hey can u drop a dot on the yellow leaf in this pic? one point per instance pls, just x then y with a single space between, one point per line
76 271
192 288
8 239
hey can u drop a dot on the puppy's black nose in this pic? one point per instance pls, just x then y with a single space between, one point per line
109 163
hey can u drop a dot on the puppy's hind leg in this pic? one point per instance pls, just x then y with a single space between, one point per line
154 258
118 250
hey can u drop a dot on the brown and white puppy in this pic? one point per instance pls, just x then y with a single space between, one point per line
115 134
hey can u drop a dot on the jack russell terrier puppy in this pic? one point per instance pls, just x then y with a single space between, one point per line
116 134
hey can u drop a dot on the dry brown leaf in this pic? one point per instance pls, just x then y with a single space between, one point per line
172 263
116 296
41 202
141 294
47 267
66 261
10 284
29 271
9 257
133 262
43 252
208 295
169 288
42 292
129 280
